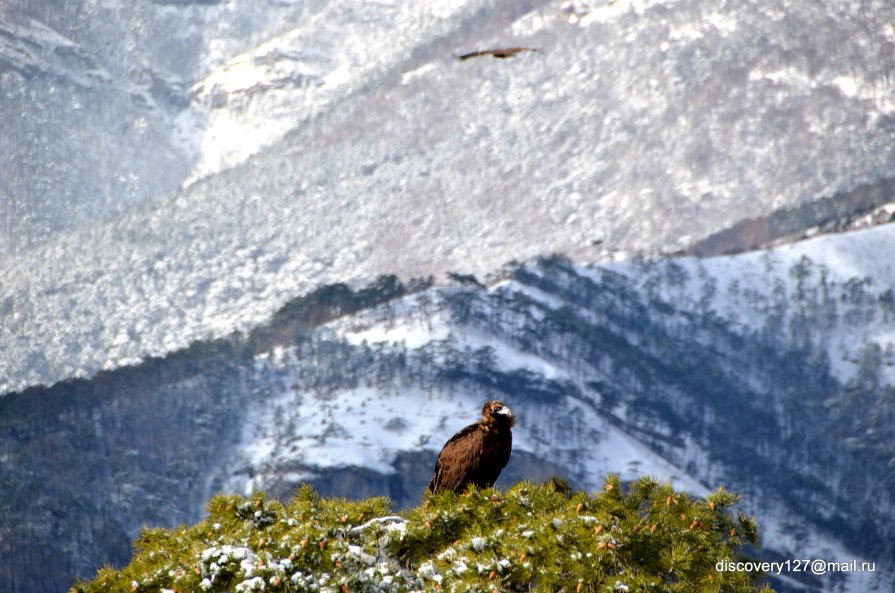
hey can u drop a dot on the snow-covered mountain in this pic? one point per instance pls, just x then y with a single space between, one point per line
639 126
202 200
769 373
783 334
828 298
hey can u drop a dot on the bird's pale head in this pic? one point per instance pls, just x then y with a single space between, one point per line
496 412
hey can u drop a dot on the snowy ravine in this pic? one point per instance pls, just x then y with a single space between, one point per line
334 142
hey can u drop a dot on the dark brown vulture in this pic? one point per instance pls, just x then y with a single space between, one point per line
476 454
506 52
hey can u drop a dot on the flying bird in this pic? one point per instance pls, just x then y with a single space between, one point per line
476 454
506 52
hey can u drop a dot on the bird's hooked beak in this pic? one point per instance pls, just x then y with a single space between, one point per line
505 411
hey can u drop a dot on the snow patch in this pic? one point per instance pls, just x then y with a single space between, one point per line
745 286
369 425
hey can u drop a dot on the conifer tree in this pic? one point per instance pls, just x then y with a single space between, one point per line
644 536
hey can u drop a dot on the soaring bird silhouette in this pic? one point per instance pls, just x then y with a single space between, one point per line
476 454
506 52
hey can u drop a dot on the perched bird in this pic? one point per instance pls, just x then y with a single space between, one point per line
506 52
476 454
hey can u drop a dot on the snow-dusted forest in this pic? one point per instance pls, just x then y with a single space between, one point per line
245 245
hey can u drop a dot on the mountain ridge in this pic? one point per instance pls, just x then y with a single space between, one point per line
257 283
647 148
660 380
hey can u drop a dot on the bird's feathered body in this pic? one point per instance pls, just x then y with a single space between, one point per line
505 52
478 453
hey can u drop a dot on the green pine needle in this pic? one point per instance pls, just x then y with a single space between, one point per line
643 536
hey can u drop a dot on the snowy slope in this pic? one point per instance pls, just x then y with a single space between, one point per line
789 540
367 426
303 427
838 288
707 372
640 126
65 113
255 98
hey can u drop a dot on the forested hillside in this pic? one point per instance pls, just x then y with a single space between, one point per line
354 390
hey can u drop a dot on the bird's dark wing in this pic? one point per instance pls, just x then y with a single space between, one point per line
459 458
504 52
494 455
503 456
473 54
509 52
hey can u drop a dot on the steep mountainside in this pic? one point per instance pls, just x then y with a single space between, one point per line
241 239
640 126
700 371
